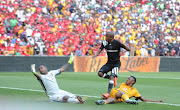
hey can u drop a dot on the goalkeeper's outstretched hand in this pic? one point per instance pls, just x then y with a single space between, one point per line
33 70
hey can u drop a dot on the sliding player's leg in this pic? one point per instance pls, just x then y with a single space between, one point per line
125 98
68 97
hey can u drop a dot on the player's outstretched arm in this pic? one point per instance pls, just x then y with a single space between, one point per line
33 70
70 61
124 46
97 53
148 100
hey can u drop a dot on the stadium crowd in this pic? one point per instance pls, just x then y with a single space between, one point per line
59 27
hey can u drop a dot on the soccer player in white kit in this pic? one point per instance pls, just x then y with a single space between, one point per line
49 83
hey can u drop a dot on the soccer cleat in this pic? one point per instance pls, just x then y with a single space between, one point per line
132 102
115 81
100 102
71 59
80 100
106 95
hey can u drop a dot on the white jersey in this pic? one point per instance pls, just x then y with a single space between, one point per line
49 82
51 87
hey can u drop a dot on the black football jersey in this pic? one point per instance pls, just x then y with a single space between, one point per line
113 50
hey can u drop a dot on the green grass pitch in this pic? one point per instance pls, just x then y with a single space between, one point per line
22 91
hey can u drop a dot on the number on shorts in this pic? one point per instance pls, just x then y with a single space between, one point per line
115 70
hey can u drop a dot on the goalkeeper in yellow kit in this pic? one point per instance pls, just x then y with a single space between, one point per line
123 94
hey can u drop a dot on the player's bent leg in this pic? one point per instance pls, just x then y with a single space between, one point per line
119 95
72 98
104 70
111 100
100 74
104 75
58 98
65 99
68 99
108 101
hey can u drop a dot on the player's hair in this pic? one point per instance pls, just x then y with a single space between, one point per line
111 34
134 79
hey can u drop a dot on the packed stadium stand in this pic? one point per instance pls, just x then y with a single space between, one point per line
59 27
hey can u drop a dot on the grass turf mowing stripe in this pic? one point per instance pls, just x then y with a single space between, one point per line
2 87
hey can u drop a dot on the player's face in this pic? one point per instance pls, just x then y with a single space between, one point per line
130 81
108 37
42 69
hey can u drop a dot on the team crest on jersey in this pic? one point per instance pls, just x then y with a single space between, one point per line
125 89
105 43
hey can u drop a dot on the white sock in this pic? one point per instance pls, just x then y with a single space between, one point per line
104 75
73 100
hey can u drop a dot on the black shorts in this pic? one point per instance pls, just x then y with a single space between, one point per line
114 68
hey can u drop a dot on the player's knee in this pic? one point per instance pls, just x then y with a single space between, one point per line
100 74
114 75
65 98
119 94
111 77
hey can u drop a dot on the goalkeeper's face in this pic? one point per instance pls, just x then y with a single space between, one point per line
43 69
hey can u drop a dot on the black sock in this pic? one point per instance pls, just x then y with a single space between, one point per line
111 83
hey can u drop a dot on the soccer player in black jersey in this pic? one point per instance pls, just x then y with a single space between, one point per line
113 64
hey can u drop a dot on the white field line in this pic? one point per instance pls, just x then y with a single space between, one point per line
75 94
164 103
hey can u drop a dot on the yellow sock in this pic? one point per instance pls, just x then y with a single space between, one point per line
125 97
105 102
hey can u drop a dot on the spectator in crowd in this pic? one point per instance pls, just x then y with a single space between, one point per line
79 51
74 21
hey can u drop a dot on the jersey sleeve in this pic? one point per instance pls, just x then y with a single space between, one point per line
102 47
137 94
55 72
120 45
42 77
104 43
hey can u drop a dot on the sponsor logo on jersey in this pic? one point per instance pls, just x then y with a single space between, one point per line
112 50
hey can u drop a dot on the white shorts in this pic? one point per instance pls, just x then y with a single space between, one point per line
59 96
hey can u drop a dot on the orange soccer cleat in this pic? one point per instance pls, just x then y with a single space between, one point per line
115 81
106 95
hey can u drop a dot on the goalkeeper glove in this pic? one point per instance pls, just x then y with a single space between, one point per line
33 68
